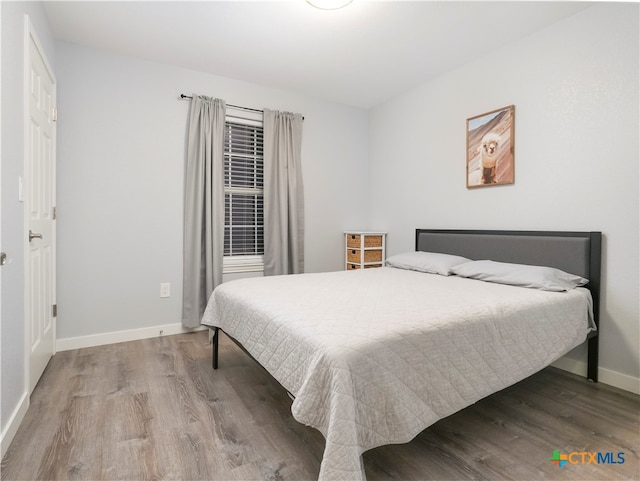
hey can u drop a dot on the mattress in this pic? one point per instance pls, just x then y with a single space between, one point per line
375 356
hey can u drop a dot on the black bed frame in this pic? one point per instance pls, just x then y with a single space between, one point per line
575 252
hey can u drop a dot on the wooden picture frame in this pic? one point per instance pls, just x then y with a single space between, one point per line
490 148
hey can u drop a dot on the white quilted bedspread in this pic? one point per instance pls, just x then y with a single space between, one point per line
375 356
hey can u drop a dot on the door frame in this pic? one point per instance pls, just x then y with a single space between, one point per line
30 35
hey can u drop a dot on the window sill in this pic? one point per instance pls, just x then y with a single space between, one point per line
231 265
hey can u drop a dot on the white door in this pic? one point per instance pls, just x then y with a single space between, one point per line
3 256
40 170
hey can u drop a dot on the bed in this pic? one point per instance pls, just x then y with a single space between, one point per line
375 356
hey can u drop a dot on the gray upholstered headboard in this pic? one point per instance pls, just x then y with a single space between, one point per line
575 252
566 251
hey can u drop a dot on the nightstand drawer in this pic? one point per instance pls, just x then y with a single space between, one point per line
351 267
373 241
353 240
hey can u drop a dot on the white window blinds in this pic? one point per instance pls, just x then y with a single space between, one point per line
244 181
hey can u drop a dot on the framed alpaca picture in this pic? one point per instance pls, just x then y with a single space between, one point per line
490 138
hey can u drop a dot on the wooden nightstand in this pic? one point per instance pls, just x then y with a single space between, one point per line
364 249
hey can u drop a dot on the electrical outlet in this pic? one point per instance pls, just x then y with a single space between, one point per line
165 289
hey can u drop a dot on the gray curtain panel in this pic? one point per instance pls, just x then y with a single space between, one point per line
203 207
283 194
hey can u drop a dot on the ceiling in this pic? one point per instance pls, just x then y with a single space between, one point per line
361 55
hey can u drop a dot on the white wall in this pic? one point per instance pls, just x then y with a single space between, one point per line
13 382
575 90
121 143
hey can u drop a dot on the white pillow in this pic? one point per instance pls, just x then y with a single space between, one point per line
431 262
537 277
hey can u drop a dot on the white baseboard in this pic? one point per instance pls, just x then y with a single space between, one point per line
605 376
122 336
13 424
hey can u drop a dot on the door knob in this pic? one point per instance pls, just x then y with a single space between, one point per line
3 258
34 236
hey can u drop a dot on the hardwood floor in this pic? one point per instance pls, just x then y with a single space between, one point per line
155 409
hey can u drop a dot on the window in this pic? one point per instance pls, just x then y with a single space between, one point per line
243 199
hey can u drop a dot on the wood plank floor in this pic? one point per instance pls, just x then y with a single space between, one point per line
154 409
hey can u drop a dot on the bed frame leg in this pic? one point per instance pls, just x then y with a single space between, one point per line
214 357
592 359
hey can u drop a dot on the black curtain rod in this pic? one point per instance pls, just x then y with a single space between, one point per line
183 96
